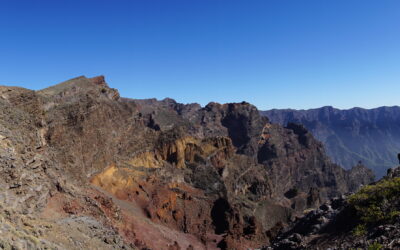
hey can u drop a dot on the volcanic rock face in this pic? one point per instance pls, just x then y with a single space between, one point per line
79 162
349 136
368 219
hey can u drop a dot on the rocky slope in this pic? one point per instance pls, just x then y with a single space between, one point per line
368 219
349 136
83 168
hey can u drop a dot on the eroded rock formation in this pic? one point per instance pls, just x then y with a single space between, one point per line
153 174
368 219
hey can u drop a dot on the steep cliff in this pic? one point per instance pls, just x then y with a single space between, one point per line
88 169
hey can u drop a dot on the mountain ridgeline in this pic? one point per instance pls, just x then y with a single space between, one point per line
371 136
83 168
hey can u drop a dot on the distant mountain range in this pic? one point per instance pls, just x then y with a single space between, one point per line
368 135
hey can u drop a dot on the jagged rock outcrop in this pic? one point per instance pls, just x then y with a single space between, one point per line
367 219
126 173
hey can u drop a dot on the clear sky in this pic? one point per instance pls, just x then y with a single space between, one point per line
272 53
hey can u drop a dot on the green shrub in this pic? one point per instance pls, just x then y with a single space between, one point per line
360 230
378 203
375 246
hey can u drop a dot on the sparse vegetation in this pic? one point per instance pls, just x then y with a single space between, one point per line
360 230
378 203
375 246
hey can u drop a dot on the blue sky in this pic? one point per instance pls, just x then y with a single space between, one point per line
272 53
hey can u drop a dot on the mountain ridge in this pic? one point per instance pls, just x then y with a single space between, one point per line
352 135
80 163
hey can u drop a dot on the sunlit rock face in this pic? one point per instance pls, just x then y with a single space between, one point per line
108 172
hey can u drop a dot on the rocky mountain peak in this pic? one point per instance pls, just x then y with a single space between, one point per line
81 85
